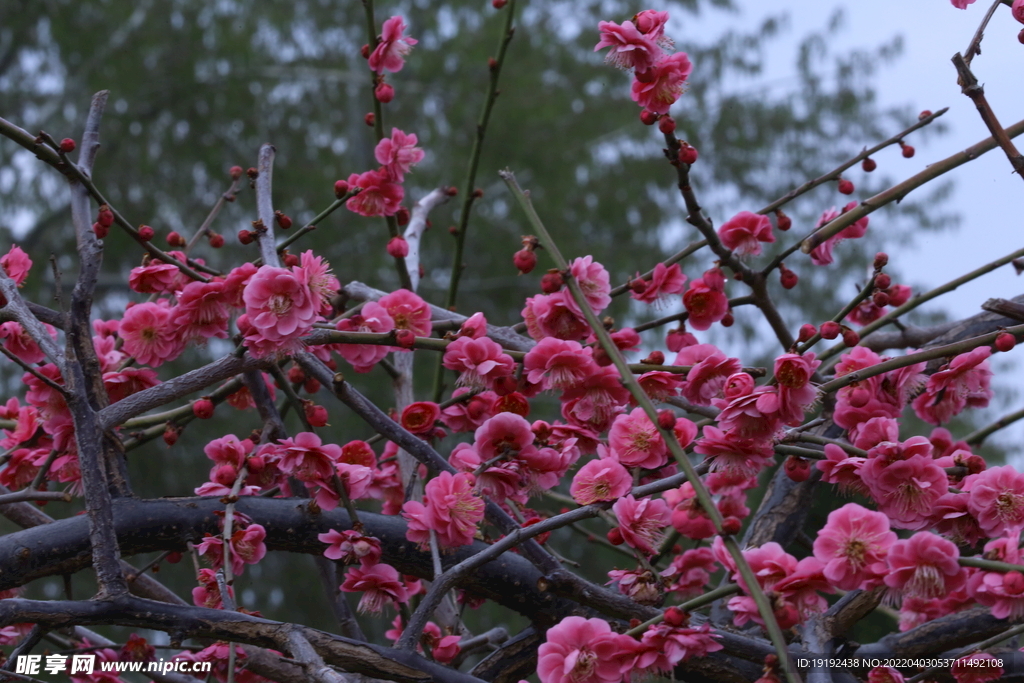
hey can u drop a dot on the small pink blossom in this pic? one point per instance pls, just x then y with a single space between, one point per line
665 281
378 194
853 545
393 47
657 89
594 402
156 278
730 452
552 315
452 510
600 480
201 312
665 645
149 335
372 317
907 489
504 434
466 416
635 441
322 284
980 667
997 500
630 49
398 154
744 233
594 280
16 263
641 522
688 516
962 4
924 566
379 584
965 382
121 385
408 311
822 254
18 342
480 362
280 309
578 650
690 571
705 300
708 372
350 547
558 364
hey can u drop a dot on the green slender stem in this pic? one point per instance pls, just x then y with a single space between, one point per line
688 606
825 441
703 495
990 565
978 437
807 453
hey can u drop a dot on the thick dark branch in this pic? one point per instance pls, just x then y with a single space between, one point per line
265 206
970 87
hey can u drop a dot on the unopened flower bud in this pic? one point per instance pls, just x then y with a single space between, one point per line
654 358
783 221
171 434
869 165
246 237
296 375
1005 342
478 193
67 145
105 216
498 4
1013 582
881 260
830 329
282 220
236 172
311 385
797 469
216 240
667 125
316 415
405 339
551 282
1020 37
788 278
175 240
638 285
340 188
146 232
688 154
731 525
290 260
845 186
666 419
384 93
101 230
252 173
365 51
601 357
525 260
398 247
728 320
882 281
908 151
880 299
203 408
505 385
676 617
850 338
615 536
648 118
807 331
402 217
370 119
924 114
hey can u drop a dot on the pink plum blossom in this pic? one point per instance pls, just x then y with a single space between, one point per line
578 650
635 441
600 480
744 233
853 545
393 47
997 500
657 89
378 194
408 311
558 364
379 584
705 300
280 308
372 317
479 362
665 281
398 154
641 522
924 566
630 49
149 335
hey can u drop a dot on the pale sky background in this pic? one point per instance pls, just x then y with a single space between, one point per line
989 198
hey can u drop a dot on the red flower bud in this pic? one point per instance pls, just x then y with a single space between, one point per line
290 260
384 93
216 240
67 145
252 173
728 320
478 193
1020 37
797 469
551 282
311 385
101 230
246 237
924 114
504 386
807 331
601 357
731 525
451 191
512 401
498 4
175 240
365 51
398 247
845 186
850 338
676 617
615 537
688 155
369 119
648 118
282 220
402 216
667 125
316 415
880 299
869 165
406 339
296 375
666 419
203 408
340 188
171 434
235 172
105 216
882 281
654 358
908 151
525 260
146 232
783 221
788 278
830 329
1005 342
